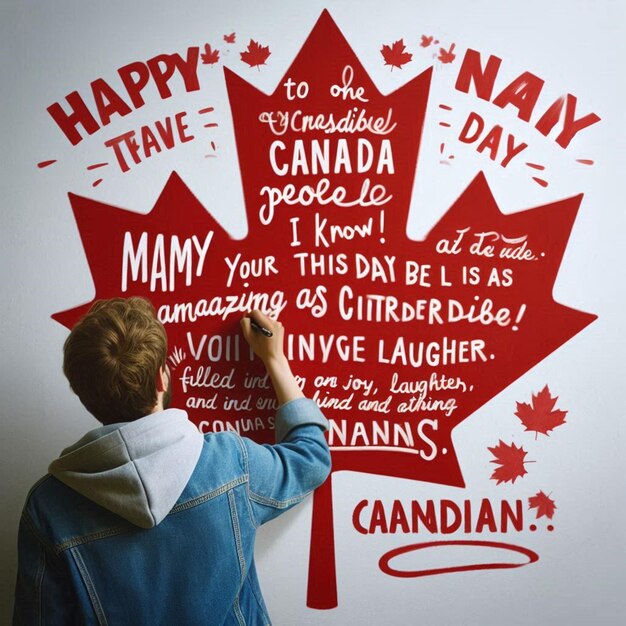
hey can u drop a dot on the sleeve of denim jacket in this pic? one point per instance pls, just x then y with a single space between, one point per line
42 592
283 474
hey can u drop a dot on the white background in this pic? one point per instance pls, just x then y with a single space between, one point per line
50 49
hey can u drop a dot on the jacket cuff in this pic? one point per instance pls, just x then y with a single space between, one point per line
298 412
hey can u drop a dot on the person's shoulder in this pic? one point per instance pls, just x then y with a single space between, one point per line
223 439
227 444
49 493
47 498
41 490
222 461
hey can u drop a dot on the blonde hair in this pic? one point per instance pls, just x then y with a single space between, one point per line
112 356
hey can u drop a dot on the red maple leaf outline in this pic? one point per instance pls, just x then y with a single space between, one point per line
544 504
540 416
255 54
510 458
209 56
395 54
556 218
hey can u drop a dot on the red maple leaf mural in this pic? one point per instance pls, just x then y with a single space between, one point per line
426 41
395 54
255 54
510 458
540 416
229 38
399 341
209 56
544 504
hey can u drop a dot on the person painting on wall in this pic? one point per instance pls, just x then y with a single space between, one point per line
145 520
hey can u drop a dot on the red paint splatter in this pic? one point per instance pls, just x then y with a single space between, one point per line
536 166
96 182
209 56
426 41
95 166
443 161
447 56
207 110
445 107
585 161
213 147
540 181
444 124
46 163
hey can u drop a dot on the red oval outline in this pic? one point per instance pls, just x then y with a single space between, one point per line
383 563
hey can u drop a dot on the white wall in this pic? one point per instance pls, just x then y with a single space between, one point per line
50 49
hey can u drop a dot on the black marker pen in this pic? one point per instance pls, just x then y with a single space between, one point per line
261 329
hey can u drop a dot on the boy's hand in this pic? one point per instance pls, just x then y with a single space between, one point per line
270 351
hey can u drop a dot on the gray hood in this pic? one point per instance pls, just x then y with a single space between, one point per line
136 469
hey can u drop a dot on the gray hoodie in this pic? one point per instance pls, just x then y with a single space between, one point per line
137 470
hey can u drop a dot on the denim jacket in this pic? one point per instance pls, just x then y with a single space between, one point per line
150 522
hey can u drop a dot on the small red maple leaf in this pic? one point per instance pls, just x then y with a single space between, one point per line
256 54
426 41
229 38
447 56
543 503
511 462
210 56
541 417
395 55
